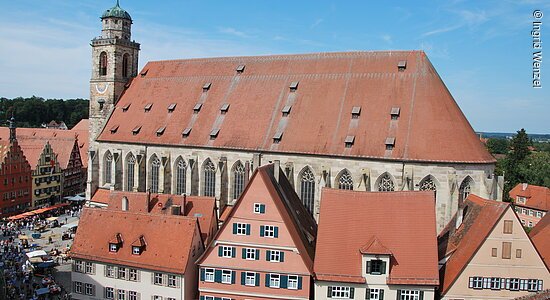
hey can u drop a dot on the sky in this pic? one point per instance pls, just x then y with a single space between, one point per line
483 50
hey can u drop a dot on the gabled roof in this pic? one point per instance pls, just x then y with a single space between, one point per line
537 197
330 85
540 235
400 223
298 221
481 217
169 239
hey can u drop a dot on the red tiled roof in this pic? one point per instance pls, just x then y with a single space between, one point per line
374 246
225 213
169 238
482 215
540 235
402 222
330 85
537 197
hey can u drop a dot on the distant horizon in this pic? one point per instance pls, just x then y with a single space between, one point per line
46 47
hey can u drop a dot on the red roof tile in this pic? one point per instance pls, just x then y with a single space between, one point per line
540 235
402 222
330 85
169 238
537 197
374 246
482 215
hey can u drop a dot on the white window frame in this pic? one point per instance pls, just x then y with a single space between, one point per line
109 293
120 294
292 283
158 278
274 281
113 247
209 275
121 270
110 271
155 297
78 266
529 283
78 287
208 297
341 292
514 284
374 294
136 250
257 208
227 276
133 274
132 295
494 284
227 251
172 280
88 267
410 295
88 289
269 229
477 283
275 255
250 279
241 228
250 254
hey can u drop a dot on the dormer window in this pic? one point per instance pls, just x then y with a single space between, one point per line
401 65
136 250
390 143
115 243
113 247
376 267
138 246
395 113
355 112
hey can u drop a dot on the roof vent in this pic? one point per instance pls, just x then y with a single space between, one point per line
401 65
144 72
125 107
240 68
148 106
350 139
286 110
355 112
186 132
206 86
214 133
395 113
171 107
160 131
277 137
136 130
224 108
197 108
390 143
294 86
114 129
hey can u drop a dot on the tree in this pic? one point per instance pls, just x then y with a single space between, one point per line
535 169
498 145
519 150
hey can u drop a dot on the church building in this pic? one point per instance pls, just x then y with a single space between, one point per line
366 121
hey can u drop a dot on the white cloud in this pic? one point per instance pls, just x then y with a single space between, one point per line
233 31
316 23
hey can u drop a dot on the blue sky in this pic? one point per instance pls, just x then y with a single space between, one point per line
481 49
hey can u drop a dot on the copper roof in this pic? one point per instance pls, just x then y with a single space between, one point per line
429 127
481 217
400 223
537 197
540 235
169 239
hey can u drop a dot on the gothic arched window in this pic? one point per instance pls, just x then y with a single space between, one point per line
238 179
209 179
345 181
464 190
155 169
181 168
125 65
385 183
103 64
107 166
307 189
130 168
428 184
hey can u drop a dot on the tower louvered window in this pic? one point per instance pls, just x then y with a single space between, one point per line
180 177
103 64
107 167
155 168
238 182
307 190
125 65
345 181
130 165
385 184
209 179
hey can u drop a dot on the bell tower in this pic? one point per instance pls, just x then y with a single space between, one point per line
114 64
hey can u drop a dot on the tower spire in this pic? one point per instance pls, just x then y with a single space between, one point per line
117 4
13 136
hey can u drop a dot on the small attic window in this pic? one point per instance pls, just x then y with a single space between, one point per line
355 112
224 108
286 110
186 132
136 130
294 86
144 72
148 107
401 65
114 129
115 243
125 107
395 113
350 139
197 108
160 131
206 86
138 246
390 143
277 137
240 68
214 133
171 107
113 247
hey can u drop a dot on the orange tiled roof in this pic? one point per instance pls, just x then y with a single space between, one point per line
540 235
374 246
169 239
537 197
482 215
402 222
245 110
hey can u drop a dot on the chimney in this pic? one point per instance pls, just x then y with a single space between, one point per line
276 168
176 210
524 186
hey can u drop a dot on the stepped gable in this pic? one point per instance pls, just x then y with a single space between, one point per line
240 102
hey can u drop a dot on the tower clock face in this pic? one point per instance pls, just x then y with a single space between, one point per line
101 87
